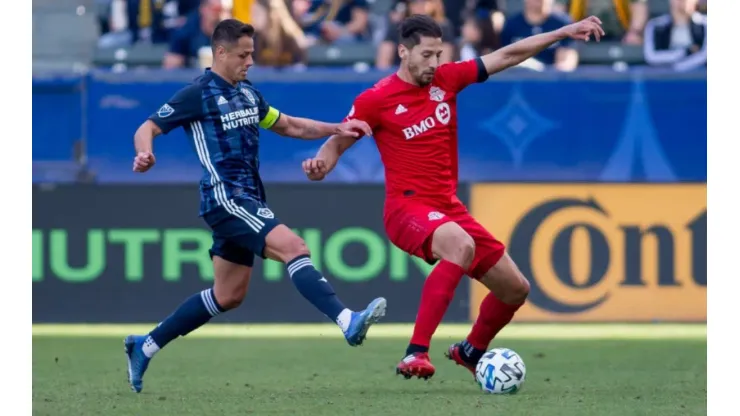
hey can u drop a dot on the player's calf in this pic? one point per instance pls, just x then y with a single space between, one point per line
456 249
230 286
285 246
508 291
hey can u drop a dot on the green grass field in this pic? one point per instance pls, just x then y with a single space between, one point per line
308 370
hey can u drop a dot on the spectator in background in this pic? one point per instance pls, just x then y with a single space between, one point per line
677 39
194 37
458 12
146 21
333 21
279 40
622 20
387 55
538 17
478 37
242 10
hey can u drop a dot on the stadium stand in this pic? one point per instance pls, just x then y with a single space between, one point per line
65 34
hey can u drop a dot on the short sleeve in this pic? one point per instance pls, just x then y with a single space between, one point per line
458 75
268 115
184 107
364 109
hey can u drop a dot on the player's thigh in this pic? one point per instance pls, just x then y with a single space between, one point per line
488 249
451 242
410 227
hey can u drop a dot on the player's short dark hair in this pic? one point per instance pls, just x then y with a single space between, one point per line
229 31
416 26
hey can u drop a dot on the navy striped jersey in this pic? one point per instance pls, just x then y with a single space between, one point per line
222 121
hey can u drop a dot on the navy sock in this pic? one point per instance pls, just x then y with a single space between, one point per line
471 354
192 314
314 287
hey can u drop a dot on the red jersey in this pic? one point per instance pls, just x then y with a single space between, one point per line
415 129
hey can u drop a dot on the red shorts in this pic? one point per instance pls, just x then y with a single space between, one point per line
410 224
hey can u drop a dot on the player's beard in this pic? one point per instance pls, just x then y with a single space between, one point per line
422 78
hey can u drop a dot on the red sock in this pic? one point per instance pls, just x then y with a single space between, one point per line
436 296
493 316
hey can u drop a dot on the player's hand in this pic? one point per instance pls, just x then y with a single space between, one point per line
584 29
143 161
354 128
315 169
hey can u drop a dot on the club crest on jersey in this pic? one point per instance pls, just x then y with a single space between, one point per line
165 111
249 96
434 215
436 94
265 213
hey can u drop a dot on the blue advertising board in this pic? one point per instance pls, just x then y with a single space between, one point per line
614 127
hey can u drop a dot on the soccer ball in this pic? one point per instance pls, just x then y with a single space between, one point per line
500 371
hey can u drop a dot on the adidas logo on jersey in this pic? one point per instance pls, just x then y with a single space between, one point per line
222 100
401 109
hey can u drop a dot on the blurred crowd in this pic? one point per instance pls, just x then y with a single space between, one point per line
285 29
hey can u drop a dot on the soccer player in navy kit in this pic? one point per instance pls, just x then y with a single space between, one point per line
221 112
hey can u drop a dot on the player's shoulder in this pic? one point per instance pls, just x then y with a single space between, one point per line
452 68
191 92
377 91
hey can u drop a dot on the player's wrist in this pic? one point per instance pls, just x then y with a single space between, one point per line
561 33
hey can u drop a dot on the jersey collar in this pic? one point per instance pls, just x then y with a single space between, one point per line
220 81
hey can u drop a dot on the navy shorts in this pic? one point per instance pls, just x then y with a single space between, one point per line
239 230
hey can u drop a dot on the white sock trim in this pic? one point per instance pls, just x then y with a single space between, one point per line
294 267
207 297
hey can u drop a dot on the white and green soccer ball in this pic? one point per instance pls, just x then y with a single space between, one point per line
500 371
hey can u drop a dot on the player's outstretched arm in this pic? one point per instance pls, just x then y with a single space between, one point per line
524 49
327 157
304 128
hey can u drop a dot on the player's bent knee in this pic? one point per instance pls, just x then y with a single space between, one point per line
518 292
293 248
284 245
231 300
516 289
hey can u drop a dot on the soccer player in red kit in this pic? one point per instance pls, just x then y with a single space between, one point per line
414 121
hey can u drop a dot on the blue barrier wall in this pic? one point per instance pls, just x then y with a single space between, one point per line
623 127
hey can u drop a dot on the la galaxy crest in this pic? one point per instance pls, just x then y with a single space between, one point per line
249 95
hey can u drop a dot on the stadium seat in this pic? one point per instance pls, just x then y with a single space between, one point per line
328 55
61 37
607 53
140 54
